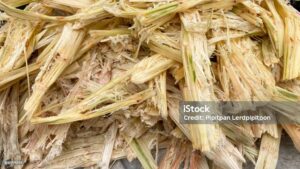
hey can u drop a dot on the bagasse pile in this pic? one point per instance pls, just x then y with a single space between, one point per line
86 82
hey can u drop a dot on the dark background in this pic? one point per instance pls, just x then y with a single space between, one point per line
296 4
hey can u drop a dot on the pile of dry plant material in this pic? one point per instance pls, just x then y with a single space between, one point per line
84 83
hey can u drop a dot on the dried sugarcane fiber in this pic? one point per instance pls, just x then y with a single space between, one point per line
84 83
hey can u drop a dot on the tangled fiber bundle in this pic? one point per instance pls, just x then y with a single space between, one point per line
84 83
